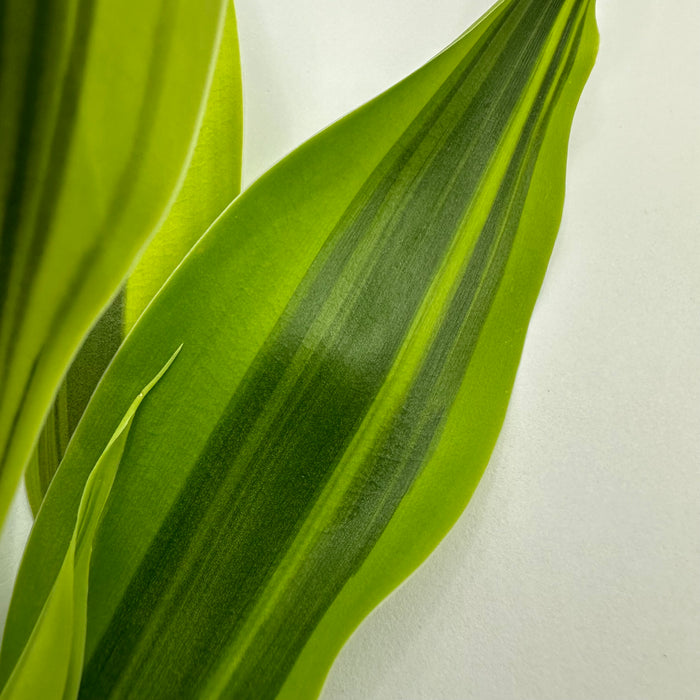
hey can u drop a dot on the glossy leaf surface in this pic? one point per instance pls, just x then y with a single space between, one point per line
212 181
100 103
351 326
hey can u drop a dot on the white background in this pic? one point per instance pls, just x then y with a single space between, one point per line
575 571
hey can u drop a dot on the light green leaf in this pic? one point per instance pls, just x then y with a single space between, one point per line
52 661
213 179
352 327
100 103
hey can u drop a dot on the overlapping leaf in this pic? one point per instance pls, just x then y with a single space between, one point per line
351 329
51 663
100 102
212 181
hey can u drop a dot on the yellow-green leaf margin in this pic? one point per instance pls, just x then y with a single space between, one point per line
212 181
352 325
100 102
51 663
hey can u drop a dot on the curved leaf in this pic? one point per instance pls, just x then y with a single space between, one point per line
352 327
51 663
100 101
213 179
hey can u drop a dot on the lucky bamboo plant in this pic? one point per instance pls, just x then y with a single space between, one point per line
290 397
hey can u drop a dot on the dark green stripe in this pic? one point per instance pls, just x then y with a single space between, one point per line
51 181
55 169
376 493
29 116
394 178
162 39
265 465
53 441
83 376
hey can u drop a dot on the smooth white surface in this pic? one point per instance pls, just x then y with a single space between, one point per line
575 571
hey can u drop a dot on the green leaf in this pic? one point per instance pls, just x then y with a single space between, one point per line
52 661
352 327
213 179
100 103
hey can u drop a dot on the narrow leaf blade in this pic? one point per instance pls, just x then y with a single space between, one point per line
353 324
100 103
212 181
51 663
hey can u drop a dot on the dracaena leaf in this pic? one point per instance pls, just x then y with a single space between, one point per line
212 181
100 102
352 326
51 663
